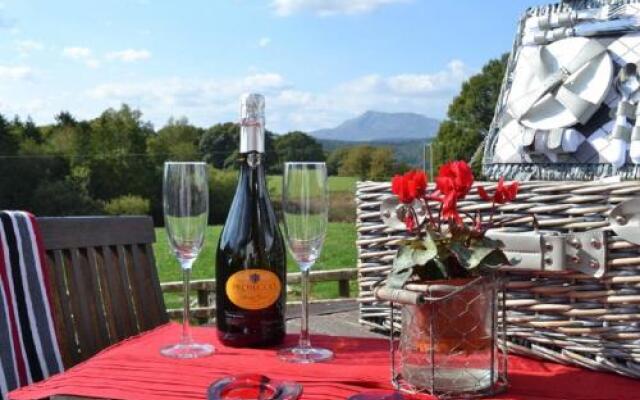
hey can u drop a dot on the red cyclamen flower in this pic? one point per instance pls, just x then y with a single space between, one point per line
456 178
410 222
409 186
503 194
454 181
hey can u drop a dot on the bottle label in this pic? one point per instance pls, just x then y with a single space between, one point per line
253 289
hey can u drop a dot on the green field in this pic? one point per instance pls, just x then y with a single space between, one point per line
339 252
336 184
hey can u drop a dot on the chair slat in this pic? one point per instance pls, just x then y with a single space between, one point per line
145 267
91 256
87 305
119 306
65 330
155 283
106 318
79 308
148 311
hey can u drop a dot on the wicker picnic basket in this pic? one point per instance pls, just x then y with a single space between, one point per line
573 295
570 316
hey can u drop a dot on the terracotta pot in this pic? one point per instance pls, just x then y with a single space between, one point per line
459 323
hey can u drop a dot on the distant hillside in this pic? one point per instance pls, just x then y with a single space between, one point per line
376 126
409 151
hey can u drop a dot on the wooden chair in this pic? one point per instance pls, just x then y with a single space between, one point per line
104 283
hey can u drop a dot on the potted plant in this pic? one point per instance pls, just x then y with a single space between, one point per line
444 276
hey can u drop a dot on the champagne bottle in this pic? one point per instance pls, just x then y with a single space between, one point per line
251 257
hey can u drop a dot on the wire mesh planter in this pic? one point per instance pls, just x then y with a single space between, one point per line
450 341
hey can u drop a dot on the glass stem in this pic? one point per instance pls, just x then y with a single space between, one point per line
304 323
186 328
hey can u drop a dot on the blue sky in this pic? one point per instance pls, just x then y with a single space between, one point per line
317 61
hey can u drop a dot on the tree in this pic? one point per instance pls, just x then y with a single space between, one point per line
219 142
470 115
382 163
65 137
25 165
119 164
298 146
177 141
335 158
219 147
357 162
9 143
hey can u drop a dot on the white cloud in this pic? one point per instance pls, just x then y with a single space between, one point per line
328 7
266 81
425 93
264 41
26 47
422 84
203 101
209 100
92 63
206 101
446 80
188 92
16 73
82 54
76 53
129 55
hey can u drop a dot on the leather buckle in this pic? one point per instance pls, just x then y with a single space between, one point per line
584 252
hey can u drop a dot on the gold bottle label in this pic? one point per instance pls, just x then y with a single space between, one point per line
253 289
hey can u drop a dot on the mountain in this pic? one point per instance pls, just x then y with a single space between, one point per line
376 126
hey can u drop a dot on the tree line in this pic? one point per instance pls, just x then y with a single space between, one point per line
113 164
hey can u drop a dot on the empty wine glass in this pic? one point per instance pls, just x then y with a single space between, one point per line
186 209
305 205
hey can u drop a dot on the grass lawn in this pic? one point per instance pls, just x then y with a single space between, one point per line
336 184
339 252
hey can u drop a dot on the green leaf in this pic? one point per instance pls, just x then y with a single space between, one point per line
496 259
428 251
461 252
478 256
441 267
402 268
404 258
435 270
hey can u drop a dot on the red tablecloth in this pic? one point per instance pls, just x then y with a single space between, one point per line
134 370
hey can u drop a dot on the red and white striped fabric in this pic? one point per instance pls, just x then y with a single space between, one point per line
28 345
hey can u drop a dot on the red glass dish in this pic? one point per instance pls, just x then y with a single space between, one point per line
253 387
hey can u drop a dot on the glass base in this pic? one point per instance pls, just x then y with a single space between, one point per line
305 355
187 350
449 380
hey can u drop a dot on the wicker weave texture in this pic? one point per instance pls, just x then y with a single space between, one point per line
568 317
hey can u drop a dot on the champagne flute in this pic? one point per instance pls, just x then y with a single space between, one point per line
305 205
186 209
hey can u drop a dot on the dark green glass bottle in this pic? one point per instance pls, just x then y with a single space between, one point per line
251 257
